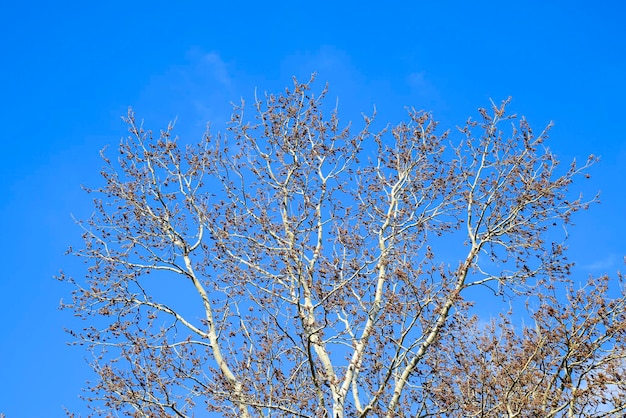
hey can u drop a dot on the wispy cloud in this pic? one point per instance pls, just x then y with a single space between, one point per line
424 90
195 92
360 88
201 89
213 63
603 265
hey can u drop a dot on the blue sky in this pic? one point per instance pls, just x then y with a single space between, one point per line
71 69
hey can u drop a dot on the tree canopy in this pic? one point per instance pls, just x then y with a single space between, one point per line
294 266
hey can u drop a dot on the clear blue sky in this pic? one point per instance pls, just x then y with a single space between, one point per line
70 70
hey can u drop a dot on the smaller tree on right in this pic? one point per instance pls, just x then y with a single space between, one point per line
569 361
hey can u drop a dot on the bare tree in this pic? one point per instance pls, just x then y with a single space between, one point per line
571 362
294 268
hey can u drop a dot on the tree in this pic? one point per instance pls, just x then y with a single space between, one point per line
571 362
294 268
